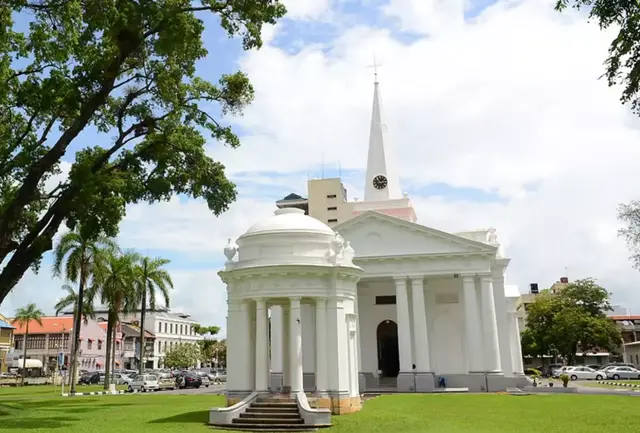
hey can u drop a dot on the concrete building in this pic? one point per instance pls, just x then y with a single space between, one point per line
430 308
6 342
54 336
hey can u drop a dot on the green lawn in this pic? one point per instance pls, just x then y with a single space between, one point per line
156 413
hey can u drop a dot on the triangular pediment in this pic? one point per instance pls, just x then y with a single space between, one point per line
373 234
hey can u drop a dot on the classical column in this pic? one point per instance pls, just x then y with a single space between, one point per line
286 348
420 336
516 346
490 325
472 325
262 346
275 380
321 345
502 322
295 341
405 377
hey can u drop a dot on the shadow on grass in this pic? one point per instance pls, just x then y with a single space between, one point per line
198 417
71 402
35 423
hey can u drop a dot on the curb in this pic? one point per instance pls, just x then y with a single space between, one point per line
78 394
628 385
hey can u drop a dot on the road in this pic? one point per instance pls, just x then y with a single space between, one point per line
212 389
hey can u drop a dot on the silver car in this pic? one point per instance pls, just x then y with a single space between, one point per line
623 372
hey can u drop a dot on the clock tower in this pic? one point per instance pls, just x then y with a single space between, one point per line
382 190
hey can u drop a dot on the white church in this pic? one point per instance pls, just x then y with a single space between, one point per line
376 302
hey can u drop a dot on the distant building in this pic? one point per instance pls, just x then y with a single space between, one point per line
127 353
54 336
6 341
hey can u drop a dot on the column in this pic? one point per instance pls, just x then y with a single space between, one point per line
502 322
262 347
472 325
276 339
421 338
490 325
404 335
516 345
321 345
286 351
238 351
295 334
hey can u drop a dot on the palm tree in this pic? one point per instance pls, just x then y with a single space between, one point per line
72 300
149 278
82 255
114 280
24 316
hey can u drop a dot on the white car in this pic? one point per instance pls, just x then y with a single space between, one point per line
585 373
623 372
557 372
145 382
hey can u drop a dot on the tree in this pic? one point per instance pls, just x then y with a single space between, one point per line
125 71
150 277
182 355
569 320
71 300
207 345
83 254
630 215
115 282
24 316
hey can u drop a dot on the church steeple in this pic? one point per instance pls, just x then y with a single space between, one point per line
382 182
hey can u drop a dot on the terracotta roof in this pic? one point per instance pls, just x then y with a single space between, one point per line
617 318
50 325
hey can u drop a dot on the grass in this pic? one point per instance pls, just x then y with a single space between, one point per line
158 413
46 390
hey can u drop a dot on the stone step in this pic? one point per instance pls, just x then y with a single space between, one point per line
276 404
288 415
272 409
271 427
268 421
276 400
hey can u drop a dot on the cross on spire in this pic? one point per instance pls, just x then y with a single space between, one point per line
375 69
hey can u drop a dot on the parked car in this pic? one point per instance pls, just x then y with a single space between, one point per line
623 372
122 379
144 382
560 371
166 381
95 378
204 377
186 379
585 373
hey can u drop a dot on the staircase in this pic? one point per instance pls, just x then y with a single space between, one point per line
271 414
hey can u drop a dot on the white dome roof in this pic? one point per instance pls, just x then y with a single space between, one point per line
289 220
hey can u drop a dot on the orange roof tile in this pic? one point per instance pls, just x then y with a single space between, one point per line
50 325
633 317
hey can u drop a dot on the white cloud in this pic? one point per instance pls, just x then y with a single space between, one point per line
306 9
427 17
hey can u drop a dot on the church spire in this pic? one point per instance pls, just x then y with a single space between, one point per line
381 182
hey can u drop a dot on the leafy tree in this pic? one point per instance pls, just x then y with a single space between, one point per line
569 320
24 316
125 71
82 254
206 330
150 277
207 345
182 355
115 282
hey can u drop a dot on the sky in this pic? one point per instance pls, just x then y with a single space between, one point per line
495 113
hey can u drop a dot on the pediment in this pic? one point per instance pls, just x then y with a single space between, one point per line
373 234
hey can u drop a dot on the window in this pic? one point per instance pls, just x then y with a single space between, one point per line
159 346
165 327
331 196
17 342
181 329
332 208
36 341
171 328
165 346
332 220
89 344
386 300
159 326
99 344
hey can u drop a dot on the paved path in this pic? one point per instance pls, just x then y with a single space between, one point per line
212 389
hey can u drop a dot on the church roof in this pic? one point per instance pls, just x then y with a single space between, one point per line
475 245
289 220
292 196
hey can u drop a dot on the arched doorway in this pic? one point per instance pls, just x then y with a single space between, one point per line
388 355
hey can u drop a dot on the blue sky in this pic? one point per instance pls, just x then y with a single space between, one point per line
472 121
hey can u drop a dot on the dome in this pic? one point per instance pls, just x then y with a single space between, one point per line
289 220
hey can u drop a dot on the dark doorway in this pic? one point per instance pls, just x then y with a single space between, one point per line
388 355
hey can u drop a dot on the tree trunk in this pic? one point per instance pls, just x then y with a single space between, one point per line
24 354
77 323
107 361
143 313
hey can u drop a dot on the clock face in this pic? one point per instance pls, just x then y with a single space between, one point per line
380 182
